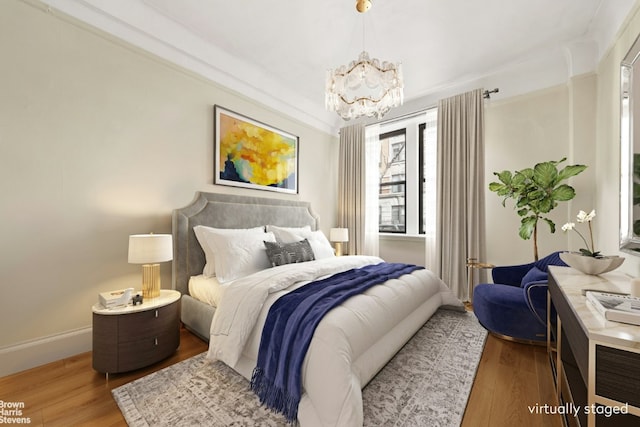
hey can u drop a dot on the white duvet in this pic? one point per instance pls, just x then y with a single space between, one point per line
351 344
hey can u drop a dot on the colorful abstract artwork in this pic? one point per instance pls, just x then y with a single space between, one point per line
251 154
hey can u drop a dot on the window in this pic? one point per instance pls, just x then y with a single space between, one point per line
391 218
428 158
407 174
397 149
397 188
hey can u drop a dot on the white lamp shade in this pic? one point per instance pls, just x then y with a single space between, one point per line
339 235
150 248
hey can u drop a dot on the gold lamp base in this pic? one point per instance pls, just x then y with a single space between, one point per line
338 248
150 280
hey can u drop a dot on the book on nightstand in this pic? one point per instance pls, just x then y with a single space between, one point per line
616 307
113 299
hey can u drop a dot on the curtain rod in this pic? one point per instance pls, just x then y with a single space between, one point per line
487 93
403 117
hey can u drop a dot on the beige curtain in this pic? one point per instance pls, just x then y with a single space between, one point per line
460 207
357 202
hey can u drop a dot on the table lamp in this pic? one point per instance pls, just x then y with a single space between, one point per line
338 236
150 250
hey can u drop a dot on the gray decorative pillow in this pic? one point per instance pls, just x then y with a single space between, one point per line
289 253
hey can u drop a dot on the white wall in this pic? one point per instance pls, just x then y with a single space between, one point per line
99 140
608 142
521 131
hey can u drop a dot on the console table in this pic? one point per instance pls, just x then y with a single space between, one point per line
596 363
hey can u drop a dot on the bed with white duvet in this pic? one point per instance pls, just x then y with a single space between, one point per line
350 344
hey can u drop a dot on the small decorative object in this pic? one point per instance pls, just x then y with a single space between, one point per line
338 236
583 217
588 260
150 250
591 265
137 299
251 154
536 192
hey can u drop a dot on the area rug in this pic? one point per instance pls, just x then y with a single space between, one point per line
426 384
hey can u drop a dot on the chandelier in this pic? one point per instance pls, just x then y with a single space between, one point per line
365 87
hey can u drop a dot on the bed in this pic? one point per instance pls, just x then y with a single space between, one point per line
351 344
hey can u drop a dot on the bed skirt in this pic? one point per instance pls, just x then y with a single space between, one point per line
196 316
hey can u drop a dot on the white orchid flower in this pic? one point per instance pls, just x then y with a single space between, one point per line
584 217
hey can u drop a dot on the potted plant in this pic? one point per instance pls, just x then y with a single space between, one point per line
588 260
536 192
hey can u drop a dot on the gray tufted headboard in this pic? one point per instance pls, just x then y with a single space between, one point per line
227 211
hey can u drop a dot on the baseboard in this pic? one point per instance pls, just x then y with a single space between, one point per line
27 355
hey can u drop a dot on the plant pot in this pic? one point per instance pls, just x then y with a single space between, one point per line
591 265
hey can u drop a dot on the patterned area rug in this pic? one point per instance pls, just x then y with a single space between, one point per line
426 384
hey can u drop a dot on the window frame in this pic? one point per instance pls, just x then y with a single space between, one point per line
421 179
403 183
417 128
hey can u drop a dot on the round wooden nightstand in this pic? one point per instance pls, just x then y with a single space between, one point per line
132 337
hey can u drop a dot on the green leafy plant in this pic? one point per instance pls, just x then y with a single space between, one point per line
536 192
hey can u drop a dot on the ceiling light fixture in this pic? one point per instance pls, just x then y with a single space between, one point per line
363 5
365 87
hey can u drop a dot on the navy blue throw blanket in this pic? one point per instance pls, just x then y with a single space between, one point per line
290 325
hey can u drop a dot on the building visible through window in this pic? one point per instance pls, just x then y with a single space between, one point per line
392 182
407 174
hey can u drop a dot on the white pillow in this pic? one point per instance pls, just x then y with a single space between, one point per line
318 241
239 255
320 245
204 233
284 233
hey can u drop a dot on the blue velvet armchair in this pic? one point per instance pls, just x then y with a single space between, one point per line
515 304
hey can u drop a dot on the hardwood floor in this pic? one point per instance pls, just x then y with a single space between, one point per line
69 392
511 378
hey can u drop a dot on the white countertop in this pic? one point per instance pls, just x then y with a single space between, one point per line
574 284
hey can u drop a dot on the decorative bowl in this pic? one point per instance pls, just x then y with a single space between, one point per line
591 265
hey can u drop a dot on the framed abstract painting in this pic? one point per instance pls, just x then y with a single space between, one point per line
254 155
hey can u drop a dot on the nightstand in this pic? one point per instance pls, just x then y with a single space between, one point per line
132 337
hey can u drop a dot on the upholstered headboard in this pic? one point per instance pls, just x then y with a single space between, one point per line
227 211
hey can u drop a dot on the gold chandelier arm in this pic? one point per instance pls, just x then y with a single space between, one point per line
382 70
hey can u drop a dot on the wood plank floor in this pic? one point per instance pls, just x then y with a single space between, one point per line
69 392
511 378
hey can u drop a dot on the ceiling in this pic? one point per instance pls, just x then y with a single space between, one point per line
277 51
